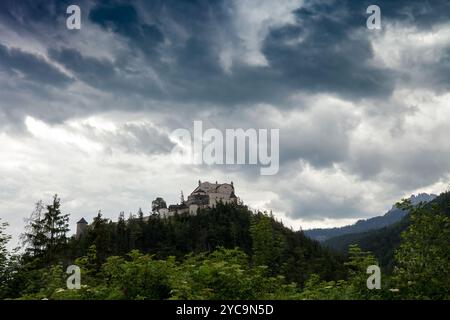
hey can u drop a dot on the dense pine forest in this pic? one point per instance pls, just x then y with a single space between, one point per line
226 252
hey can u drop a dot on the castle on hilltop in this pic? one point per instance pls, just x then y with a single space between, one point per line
206 195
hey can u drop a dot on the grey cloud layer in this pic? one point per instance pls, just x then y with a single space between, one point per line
19 64
173 51
170 60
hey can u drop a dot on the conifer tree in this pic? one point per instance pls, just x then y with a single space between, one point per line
34 237
100 236
55 227
268 245
122 236
46 231
4 238
135 228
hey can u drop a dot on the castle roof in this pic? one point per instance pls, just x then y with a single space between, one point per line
207 186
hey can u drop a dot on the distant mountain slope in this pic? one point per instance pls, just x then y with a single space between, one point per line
383 242
392 216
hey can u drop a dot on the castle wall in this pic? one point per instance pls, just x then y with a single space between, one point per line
208 195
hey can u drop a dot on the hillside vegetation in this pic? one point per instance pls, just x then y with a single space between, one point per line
226 252
384 242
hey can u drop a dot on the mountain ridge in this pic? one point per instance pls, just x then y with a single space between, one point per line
391 217
384 241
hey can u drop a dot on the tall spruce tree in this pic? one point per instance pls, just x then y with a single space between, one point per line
122 235
267 243
55 227
4 238
135 228
34 236
46 231
100 236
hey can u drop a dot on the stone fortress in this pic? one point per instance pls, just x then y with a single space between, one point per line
206 195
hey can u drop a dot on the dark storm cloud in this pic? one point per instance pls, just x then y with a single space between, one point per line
90 70
189 65
436 76
167 57
26 80
35 17
407 169
323 51
329 57
123 19
104 74
326 50
19 64
423 14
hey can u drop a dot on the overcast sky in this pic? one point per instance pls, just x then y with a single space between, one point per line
363 114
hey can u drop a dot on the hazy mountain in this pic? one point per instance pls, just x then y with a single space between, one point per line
383 242
392 216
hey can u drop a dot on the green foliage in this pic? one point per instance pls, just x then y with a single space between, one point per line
4 238
34 237
266 241
357 265
141 277
226 274
423 259
100 235
222 253
157 204
384 242
89 264
222 274
353 288
268 244
317 289
46 232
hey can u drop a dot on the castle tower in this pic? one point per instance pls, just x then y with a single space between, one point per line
81 228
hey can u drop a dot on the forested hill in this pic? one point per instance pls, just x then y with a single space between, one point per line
227 252
265 240
392 216
383 242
